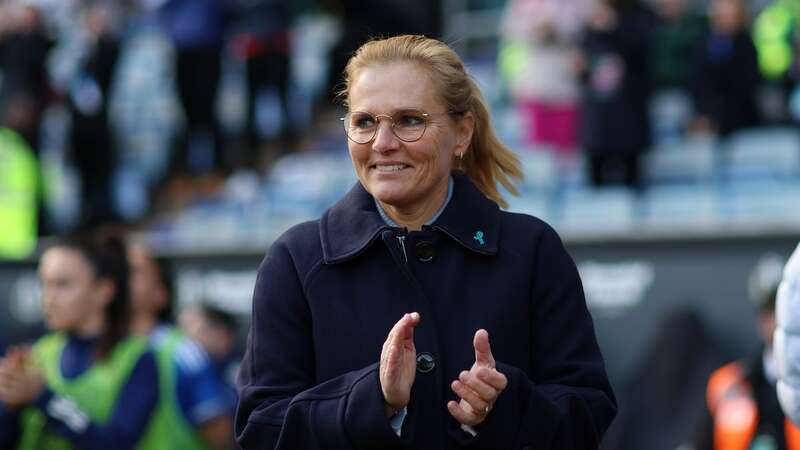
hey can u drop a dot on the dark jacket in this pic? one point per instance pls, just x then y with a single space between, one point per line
616 85
726 81
329 291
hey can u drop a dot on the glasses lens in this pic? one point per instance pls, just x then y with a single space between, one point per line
360 127
409 125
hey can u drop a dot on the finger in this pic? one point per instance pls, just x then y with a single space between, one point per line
493 378
404 332
461 415
483 351
468 395
483 389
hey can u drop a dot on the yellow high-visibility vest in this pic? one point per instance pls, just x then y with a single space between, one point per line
18 196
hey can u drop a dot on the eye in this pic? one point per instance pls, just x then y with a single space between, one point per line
411 120
362 121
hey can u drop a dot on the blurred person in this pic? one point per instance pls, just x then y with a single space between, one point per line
614 68
93 147
777 41
371 326
675 39
726 74
215 330
741 398
363 19
197 29
262 39
24 48
19 189
787 338
88 384
195 406
542 36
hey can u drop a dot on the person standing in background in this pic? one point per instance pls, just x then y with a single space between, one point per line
540 38
197 29
93 146
742 403
215 330
195 406
615 73
24 48
675 39
726 74
261 38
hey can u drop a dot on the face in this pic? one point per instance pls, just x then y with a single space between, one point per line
216 341
71 294
147 293
398 173
726 15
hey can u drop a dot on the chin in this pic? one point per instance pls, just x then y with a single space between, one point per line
390 196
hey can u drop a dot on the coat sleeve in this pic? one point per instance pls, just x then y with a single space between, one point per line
281 406
9 427
787 338
566 403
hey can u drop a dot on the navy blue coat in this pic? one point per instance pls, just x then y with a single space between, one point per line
329 291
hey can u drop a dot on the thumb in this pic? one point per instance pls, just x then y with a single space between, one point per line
483 351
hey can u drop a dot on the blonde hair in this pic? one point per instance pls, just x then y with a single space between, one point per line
488 160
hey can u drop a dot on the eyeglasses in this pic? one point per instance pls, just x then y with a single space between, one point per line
408 125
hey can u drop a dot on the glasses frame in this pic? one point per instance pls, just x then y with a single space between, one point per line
377 118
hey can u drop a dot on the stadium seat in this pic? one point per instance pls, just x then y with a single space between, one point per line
686 160
773 203
598 211
678 207
763 152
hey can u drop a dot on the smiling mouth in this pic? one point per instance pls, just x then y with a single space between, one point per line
388 168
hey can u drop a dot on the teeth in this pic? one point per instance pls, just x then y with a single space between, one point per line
392 168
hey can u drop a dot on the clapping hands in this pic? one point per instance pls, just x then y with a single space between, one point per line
21 381
477 388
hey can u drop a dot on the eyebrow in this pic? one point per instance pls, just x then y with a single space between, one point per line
398 110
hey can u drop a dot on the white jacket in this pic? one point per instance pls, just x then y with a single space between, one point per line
787 338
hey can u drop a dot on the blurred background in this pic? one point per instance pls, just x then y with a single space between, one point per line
659 137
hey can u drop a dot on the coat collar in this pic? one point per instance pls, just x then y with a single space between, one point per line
353 223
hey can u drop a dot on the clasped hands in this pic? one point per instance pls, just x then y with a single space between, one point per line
21 381
477 388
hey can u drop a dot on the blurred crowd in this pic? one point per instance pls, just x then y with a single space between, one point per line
121 112
586 74
112 111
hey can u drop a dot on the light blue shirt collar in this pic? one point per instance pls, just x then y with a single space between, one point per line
392 223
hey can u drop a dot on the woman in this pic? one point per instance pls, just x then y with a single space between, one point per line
371 327
86 385
195 405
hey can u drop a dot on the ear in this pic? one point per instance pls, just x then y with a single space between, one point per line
106 290
464 129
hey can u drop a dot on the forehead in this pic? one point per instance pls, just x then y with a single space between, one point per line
64 261
389 87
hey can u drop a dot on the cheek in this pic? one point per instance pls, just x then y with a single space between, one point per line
359 154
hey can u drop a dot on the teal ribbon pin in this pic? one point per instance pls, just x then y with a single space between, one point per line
479 236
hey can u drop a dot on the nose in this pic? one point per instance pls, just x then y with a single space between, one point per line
385 140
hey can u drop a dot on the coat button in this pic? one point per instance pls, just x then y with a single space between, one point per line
425 251
425 362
